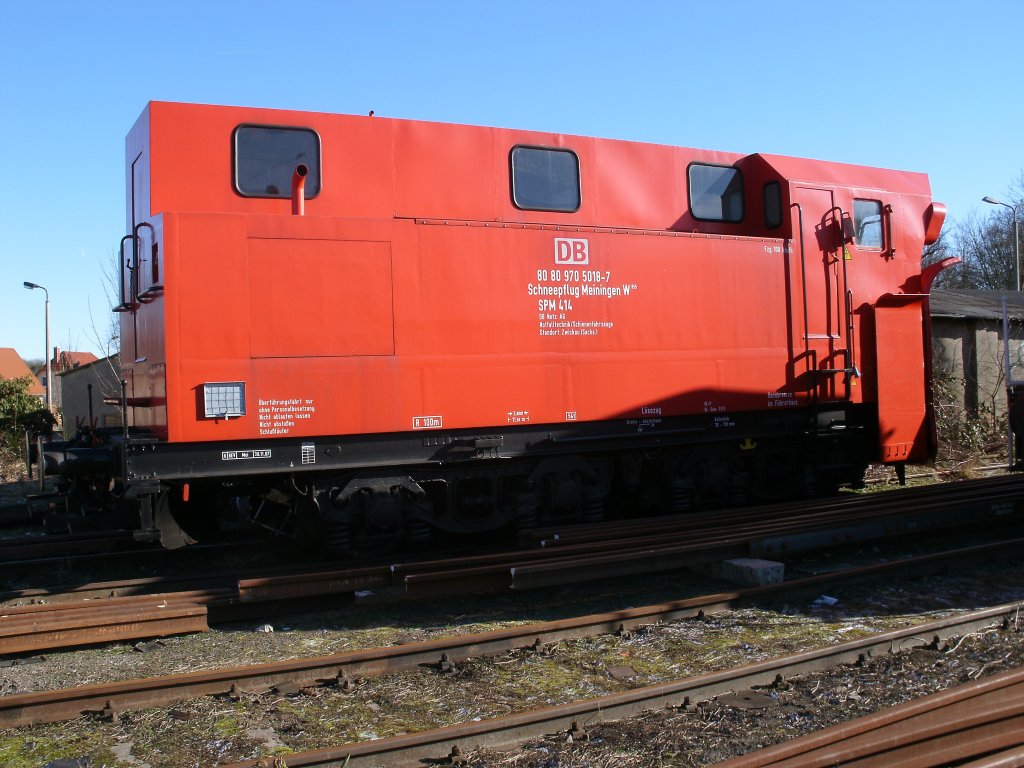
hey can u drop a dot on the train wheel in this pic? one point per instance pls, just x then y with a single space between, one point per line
370 525
355 539
779 474
568 488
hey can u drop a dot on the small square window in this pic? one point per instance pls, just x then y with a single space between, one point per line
266 158
716 192
545 179
867 223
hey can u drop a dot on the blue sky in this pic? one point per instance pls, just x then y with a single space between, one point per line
914 85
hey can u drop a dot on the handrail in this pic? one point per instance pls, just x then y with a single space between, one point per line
890 245
851 366
123 306
136 281
803 285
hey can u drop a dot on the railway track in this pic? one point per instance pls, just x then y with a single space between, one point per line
995 490
20 710
451 743
45 549
981 722
124 610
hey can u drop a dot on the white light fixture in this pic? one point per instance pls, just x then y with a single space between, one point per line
224 399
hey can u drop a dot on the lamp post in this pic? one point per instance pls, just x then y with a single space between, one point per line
1016 236
49 373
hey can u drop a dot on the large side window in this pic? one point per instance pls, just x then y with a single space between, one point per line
867 223
545 179
266 157
716 192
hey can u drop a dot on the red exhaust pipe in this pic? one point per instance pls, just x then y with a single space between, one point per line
299 190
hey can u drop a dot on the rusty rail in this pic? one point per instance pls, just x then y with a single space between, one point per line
983 719
673 546
57 546
992 490
435 745
32 628
66 623
569 562
27 709
115 615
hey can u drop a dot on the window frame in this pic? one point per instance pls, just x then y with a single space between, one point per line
512 178
315 169
742 193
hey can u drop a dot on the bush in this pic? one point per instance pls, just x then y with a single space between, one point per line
965 437
19 411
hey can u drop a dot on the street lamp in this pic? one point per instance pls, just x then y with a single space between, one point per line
1016 236
49 373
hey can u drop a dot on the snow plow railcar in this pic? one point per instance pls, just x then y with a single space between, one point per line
367 330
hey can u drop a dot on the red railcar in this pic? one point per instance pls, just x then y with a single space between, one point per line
371 328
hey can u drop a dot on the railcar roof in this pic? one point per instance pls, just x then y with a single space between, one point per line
796 169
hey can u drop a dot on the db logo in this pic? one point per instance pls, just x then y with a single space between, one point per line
570 251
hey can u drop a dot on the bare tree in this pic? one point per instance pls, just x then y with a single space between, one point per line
985 245
106 331
939 250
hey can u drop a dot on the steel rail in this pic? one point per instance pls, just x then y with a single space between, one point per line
594 537
651 554
83 549
901 511
517 570
995 489
115 616
940 729
1010 758
19 710
28 549
31 628
266 586
435 745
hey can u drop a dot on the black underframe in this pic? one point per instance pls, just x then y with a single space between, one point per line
147 461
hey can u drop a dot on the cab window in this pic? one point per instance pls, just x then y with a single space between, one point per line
545 179
716 192
266 157
867 223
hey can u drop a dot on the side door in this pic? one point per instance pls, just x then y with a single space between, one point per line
821 324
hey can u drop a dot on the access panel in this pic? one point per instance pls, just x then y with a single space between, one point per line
320 298
902 410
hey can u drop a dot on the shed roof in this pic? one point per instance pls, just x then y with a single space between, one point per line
970 303
114 361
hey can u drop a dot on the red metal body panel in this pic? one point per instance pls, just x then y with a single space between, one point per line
902 409
414 294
